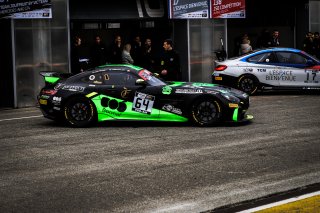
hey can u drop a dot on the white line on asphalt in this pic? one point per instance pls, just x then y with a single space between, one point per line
281 202
10 119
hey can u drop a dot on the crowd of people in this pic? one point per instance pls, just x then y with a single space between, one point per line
166 63
265 40
311 44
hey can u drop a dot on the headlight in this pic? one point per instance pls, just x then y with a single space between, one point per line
245 95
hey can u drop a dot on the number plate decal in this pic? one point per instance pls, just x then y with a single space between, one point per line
143 103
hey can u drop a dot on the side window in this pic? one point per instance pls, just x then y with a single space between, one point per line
291 58
283 57
130 79
119 78
263 58
297 59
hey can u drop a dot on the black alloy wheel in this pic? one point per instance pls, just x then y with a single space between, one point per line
79 112
206 112
248 84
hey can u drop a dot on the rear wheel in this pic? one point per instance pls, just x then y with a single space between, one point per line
79 112
248 84
206 112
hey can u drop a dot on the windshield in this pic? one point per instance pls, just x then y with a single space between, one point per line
150 78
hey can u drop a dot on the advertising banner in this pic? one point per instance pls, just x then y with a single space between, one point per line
228 8
189 9
25 9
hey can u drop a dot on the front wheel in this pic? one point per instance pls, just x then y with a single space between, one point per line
248 84
206 112
79 112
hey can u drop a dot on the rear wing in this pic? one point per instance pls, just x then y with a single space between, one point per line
51 77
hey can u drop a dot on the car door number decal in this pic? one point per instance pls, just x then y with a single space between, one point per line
143 103
311 76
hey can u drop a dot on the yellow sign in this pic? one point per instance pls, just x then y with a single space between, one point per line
43 102
231 105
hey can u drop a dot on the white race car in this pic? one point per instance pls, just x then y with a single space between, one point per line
272 68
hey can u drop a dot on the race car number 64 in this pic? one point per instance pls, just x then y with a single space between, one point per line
143 103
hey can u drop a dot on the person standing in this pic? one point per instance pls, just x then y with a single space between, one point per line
76 52
274 41
136 50
308 45
245 46
170 62
316 44
98 52
126 56
116 50
148 58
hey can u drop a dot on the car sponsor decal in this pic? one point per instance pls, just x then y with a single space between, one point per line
247 70
143 103
92 77
92 94
189 91
211 92
73 88
56 100
170 108
58 86
262 70
280 75
125 92
166 90
45 96
203 85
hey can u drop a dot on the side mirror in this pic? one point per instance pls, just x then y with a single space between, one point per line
141 82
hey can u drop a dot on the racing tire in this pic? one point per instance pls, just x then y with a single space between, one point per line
79 112
206 112
248 84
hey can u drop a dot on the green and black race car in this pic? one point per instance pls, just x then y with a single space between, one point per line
126 92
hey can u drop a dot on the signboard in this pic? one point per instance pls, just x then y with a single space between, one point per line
228 8
189 9
119 9
22 9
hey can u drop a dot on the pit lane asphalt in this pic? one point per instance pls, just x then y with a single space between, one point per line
158 167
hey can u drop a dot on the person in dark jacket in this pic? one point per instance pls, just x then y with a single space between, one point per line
116 50
98 52
170 62
136 51
316 44
148 56
274 40
76 56
308 45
